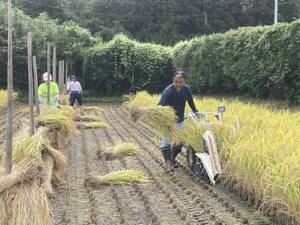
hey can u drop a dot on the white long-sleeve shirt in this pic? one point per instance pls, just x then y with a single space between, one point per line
74 86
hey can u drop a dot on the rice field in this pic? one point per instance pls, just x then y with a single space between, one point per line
260 150
82 185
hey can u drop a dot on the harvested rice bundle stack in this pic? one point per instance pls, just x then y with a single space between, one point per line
64 99
59 122
120 151
161 118
87 118
122 177
92 125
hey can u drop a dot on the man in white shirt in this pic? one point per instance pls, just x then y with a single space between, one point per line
75 90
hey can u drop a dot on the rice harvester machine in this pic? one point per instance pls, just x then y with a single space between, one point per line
205 162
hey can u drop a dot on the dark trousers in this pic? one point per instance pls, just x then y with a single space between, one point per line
75 96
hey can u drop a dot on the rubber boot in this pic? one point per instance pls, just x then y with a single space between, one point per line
176 149
167 156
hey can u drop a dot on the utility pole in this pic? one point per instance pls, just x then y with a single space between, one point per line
9 125
30 82
276 12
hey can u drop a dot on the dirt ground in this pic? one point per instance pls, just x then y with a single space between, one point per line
179 198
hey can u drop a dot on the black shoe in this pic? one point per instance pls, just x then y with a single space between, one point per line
176 149
167 156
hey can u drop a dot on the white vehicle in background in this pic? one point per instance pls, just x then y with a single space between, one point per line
205 162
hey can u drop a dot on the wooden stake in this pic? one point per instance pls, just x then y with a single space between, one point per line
60 75
54 64
66 79
9 125
36 86
63 76
48 71
30 82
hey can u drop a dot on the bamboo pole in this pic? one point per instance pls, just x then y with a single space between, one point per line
63 76
9 125
48 71
59 76
66 79
30 82
54 64
36 85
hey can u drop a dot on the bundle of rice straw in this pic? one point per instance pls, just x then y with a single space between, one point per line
23 200
92 125
25 171
87 118
26 204
121 177
91 108
161 118
120 151
59 122
64 99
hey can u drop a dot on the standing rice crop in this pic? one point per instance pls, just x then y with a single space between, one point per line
260 150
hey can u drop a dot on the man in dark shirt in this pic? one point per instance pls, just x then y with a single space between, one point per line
176 95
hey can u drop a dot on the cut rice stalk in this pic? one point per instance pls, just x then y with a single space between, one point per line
161 118
28 146
60 161
120 151
122 177
92 125
88 118
91 108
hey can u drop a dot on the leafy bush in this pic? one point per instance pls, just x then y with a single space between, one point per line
124 65
262 61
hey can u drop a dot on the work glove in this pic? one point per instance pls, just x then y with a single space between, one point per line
199 114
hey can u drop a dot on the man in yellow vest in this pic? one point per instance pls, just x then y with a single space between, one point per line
43 92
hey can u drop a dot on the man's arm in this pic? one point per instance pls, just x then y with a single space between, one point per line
190 100
165 98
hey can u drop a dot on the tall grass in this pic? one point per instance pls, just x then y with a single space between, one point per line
260 150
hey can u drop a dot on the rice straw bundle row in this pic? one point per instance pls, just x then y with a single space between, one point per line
120 151
91 109
121 177
87 118
161 118
92 125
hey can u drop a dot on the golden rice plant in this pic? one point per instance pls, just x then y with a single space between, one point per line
121 177
91 108
92 125
3 98
119 151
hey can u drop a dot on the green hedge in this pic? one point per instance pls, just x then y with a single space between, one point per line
261 61
124 65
